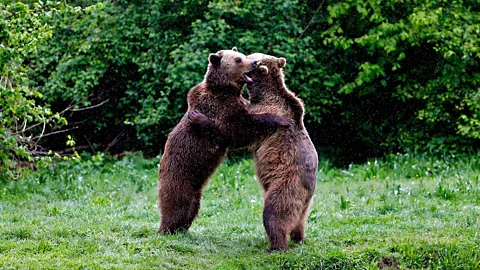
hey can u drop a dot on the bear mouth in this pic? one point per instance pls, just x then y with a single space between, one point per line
247 78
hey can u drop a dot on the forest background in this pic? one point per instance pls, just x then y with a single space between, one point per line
377 77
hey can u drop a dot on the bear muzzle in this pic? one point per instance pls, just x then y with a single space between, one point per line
247 78
247 74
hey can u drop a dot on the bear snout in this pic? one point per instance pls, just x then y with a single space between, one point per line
252 67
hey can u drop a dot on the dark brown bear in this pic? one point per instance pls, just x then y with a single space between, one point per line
286 161
192 153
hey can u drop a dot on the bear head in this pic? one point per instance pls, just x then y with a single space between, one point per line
228 68
267 76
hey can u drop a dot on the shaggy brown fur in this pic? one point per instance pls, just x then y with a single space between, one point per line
192 153
286 161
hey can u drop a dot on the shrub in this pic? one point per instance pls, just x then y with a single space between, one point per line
23 121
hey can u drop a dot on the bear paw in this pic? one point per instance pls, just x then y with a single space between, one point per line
286 122
193 114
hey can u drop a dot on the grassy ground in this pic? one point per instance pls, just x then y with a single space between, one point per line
402 213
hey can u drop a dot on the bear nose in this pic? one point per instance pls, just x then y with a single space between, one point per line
254 64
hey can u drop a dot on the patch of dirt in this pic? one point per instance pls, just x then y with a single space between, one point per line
388 263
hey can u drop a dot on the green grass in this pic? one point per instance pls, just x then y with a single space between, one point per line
402 213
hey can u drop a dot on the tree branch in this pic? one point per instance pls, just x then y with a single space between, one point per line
53 133
90 144
69 108
43 131
36 125
311 20
90 107
64 152
114 141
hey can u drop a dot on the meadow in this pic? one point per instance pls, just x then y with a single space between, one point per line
402 212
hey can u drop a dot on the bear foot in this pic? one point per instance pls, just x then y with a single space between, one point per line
270 250
297 237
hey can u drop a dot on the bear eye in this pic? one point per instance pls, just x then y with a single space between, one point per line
238 60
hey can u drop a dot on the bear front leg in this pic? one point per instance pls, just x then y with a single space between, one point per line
271 121
202 124
257 126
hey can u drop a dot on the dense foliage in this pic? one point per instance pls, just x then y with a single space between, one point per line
23 122
376 76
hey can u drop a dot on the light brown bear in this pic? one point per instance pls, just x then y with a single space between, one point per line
192 153
286 161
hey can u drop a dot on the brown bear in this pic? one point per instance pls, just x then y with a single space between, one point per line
192 153
286 161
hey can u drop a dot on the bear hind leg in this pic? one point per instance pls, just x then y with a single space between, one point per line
298 233
177 217
276 232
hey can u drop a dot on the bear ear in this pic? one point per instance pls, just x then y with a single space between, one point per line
214 59
234 49
281 62
263 70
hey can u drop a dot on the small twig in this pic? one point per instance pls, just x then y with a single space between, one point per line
90 144
311 20
9 82
55 132
73 149
64 152
38 147
39 153
114 141
43 131
90 107
36 125
71 106
24 125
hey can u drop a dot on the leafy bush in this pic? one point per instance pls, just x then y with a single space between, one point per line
23 121
376 76
118 58
424 55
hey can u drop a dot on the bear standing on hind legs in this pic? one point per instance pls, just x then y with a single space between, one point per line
286 161
191 153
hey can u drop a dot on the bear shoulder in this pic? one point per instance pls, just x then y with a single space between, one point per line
295 104
196 94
